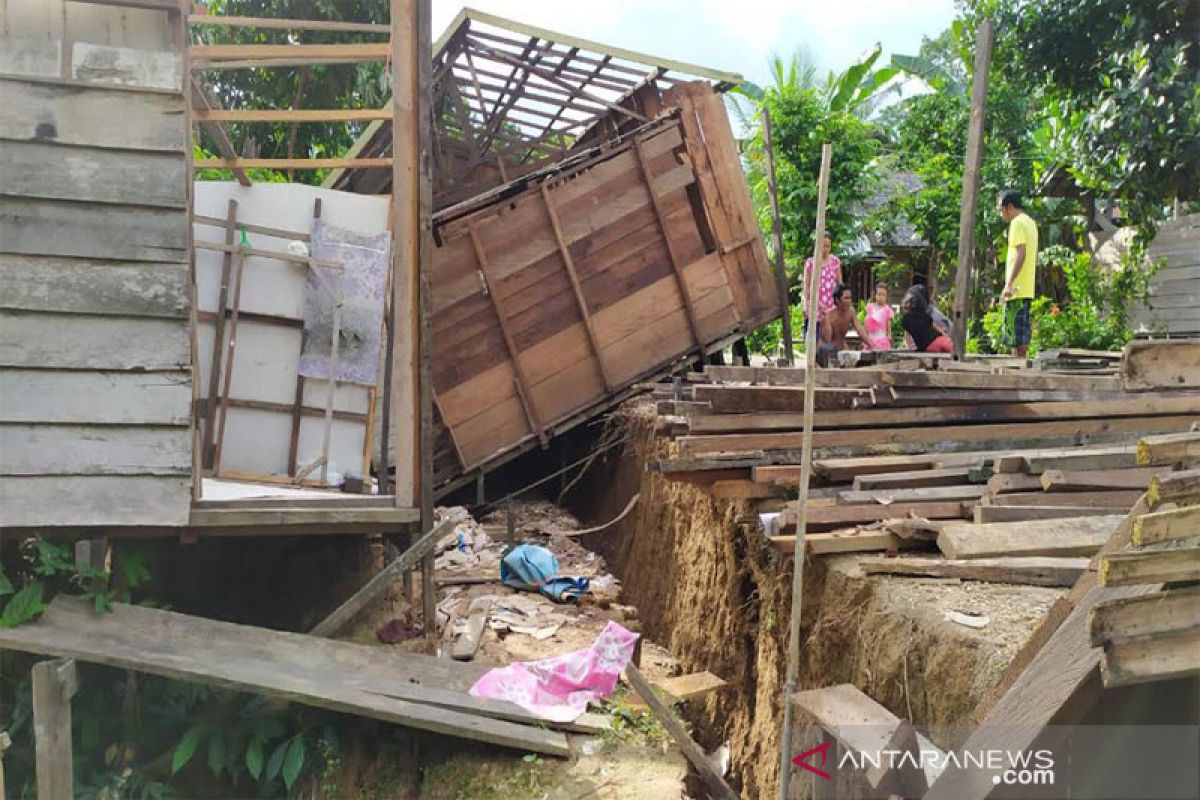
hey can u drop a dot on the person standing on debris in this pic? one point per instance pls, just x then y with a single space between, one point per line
920 331
878 320
836 324
1020 271
829 277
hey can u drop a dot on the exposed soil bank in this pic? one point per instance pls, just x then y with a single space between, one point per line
716 595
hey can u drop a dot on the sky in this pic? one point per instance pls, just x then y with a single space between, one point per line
732 35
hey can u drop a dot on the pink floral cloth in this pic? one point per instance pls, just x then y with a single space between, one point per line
825 283
879 326
560 688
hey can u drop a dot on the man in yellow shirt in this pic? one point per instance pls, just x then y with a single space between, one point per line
1020 270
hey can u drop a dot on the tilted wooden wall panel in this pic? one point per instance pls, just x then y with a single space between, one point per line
95 355
659 277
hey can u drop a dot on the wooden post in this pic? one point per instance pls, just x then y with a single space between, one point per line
214 371
403 564
777 231
424 311
406 244
970 195
806 447
5 743
54 684
239 260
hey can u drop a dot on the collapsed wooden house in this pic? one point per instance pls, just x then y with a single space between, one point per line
593 229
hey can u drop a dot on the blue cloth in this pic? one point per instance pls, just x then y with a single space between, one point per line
535 569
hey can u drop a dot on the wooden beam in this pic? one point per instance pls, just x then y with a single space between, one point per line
394 687
522 380
214 372
878 437
289 163
1135 567
676 263
1155 657
576 287
231 52
862 725
203 97
970 189
1024 379
1171 448
591 46
1008 483
1160 612
910 495
1061 538
1027 571
946 476
1103 498
467 645
828 516
54 684
290 114
1161 364
382 581
985 514
891 417
230 351
273 23
712 779
1165 526
1055 480
852 541
1181 487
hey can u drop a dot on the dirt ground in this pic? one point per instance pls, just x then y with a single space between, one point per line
715 594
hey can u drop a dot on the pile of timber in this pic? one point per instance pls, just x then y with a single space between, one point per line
970 457
1156 636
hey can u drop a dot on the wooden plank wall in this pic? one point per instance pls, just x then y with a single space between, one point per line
95 291
550 302
1174 304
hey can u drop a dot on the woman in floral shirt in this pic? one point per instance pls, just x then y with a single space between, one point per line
831 276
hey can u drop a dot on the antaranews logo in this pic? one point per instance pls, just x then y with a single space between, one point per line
1011 768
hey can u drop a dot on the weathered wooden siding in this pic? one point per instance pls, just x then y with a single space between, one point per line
547 304
1174 304
95 289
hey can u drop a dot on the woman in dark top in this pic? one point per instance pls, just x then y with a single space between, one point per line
919 328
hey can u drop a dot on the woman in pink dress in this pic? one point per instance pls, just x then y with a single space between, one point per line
879 320
831 276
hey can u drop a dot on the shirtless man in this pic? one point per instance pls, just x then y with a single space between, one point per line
836 323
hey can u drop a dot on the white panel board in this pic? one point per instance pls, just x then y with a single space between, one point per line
268 353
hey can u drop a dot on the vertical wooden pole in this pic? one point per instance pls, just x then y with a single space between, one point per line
54 684
425 308
810 386
214 370
406 235
970 195
239 260
777 231
5 743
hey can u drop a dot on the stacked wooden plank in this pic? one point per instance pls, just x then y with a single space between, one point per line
1156 636
1043 463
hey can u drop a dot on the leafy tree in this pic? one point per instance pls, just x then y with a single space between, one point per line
1121 86
316 86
